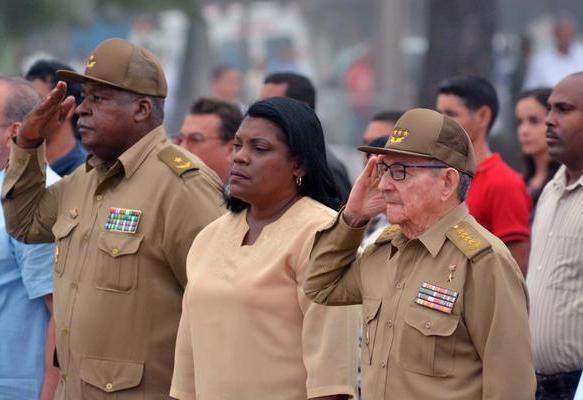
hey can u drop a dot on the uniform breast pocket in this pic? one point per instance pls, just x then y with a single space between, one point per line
567 272
111 379
118 265
370 313
63 231
428 341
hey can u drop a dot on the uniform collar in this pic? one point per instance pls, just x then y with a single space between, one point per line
133 157
434 238
560 180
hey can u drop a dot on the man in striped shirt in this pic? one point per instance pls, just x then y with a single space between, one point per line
555 273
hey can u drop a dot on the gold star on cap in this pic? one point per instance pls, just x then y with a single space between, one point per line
90 62
399 135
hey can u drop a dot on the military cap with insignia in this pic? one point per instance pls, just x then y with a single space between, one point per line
123 65
427 133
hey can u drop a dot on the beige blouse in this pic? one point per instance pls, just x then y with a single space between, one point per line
247 330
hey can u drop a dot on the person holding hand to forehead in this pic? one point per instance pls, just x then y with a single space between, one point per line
444 303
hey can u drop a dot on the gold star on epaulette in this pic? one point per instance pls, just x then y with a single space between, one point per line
468 239
181 164
176 160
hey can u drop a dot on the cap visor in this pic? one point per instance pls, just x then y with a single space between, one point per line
384 150
73 76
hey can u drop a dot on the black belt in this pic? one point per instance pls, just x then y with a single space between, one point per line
557 383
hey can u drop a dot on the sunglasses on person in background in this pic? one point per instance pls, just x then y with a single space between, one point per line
193 138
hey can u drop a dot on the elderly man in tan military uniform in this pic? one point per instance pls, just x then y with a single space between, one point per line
445 305
123 224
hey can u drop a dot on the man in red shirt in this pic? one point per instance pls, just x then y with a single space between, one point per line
497 197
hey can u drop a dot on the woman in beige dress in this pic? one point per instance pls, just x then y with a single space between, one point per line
247 330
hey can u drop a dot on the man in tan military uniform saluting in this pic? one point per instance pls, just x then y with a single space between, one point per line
123 224
445 305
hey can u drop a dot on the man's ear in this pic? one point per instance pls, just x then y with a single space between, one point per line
144 109
11 132
484 115
451 183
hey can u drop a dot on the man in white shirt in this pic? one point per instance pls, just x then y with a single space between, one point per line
551 65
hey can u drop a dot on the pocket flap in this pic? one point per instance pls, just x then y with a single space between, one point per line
111 376
370 308
118 244
430 322
63 227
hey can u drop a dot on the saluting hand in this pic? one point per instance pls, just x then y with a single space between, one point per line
46 117
365 200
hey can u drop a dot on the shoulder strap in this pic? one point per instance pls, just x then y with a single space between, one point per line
176 160
466 238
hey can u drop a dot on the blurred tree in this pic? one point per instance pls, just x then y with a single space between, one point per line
460 42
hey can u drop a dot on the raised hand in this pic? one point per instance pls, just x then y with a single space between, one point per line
365 200
45 118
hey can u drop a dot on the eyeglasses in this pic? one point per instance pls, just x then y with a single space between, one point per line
193 138
399 171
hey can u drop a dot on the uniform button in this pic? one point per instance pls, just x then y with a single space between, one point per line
21 161
115 251
85 238
65 331
427 324
383 364
399 285
539 267
109 386
64 377
550 234
390 323
99 197
74 285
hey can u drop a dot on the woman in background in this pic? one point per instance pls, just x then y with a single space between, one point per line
247 330
531 112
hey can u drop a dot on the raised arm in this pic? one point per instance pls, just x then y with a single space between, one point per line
29 207
333 276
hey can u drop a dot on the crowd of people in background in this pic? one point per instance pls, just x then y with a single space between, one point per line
237 260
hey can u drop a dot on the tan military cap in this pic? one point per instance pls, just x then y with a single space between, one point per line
118 63
427 133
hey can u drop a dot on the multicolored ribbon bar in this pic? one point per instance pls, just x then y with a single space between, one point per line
433 293
433 306
435 300
123 220
439 289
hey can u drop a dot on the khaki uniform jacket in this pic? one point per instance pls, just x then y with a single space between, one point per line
117 295
480 350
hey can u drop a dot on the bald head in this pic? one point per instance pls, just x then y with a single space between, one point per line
565 124
17 99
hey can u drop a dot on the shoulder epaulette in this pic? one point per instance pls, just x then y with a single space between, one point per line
176 160
466 238
388 234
